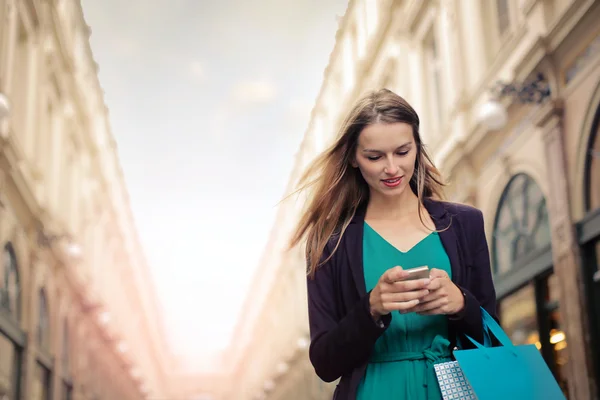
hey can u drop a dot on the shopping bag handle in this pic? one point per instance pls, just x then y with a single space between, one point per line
490 324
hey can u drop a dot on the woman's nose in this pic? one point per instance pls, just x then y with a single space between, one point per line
391 168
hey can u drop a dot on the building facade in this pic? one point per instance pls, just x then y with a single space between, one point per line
78 313
528 156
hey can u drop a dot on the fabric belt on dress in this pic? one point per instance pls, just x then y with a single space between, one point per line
431 357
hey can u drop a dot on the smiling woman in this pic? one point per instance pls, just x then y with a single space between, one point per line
375 214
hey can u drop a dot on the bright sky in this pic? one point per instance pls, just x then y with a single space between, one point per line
208 103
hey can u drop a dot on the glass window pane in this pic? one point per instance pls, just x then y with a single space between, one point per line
9 283
521 224
8 363
518 317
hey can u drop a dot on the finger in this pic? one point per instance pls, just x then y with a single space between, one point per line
433 296
404 296
435 284
400 306
406 286
394 274
431 305
437 273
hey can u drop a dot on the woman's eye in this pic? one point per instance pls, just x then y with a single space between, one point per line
374 158
402 153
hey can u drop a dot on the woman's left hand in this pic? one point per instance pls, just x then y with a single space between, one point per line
444 296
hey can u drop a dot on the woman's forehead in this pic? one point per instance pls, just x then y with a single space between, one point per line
386 135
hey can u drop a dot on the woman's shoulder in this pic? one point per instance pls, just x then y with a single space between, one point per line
461 209
466 215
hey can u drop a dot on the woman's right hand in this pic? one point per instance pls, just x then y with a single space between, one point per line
393 293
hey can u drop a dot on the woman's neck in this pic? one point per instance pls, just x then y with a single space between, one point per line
395 208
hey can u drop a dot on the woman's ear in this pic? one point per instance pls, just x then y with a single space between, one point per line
354 163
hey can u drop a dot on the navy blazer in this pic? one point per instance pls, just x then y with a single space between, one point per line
342 330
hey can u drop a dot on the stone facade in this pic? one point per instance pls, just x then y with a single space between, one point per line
445 57
78 311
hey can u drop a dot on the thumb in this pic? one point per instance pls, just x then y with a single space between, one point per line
437 273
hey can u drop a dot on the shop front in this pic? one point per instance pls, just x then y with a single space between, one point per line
12 338
527 288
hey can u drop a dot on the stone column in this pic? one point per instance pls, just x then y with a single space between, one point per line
567 260
10 41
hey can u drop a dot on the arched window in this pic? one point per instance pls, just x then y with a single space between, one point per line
43 332
10 293
521 225
593 169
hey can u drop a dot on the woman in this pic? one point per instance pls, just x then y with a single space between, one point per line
374 214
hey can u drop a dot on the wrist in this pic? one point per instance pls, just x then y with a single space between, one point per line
461 305
375 315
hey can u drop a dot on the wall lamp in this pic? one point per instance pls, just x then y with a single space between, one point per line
47 240
492 113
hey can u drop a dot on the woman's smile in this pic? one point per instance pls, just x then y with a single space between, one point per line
392 182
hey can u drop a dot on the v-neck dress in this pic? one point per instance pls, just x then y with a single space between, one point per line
401 364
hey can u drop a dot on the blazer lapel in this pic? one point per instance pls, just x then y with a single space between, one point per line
354 251
444 224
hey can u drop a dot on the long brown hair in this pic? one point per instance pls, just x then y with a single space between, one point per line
338 189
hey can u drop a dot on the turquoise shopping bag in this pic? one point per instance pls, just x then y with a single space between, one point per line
507 371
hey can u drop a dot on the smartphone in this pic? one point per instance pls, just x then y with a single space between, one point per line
417 273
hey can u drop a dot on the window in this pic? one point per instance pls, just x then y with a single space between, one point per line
10 299
497 22
433 84
502 16
43 337
521 225
529 308
21 82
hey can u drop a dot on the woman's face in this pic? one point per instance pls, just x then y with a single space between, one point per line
385 156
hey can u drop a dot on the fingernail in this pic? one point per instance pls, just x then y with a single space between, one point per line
416 301
426 281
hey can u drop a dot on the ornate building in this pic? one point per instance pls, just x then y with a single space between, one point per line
78 313
526 152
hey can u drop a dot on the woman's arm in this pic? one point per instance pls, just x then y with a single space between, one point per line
479 291
339 343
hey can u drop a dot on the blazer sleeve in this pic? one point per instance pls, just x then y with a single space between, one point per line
339 343
479 291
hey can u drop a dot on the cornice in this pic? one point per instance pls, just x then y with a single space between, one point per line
15 168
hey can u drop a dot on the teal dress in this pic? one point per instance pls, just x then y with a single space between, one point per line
401 365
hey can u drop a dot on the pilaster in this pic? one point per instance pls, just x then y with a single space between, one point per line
566 256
